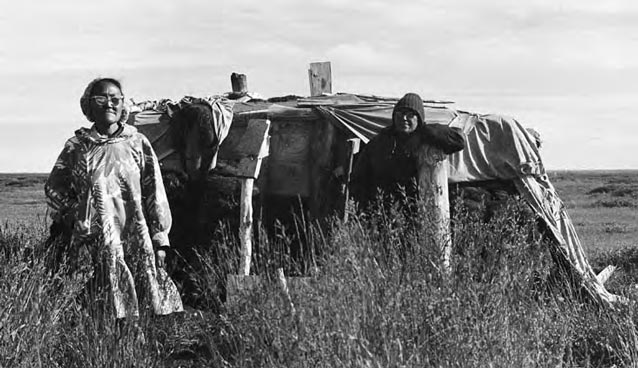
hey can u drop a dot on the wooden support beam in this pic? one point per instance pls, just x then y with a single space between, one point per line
251 148
352 148
280 114
285 292
320 76
239 83
433 186
605 274
246 226
242 151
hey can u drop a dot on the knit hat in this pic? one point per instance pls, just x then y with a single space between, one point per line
85 99
413 102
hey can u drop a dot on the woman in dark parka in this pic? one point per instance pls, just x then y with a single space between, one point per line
388 163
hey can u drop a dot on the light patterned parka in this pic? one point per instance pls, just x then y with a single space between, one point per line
110 190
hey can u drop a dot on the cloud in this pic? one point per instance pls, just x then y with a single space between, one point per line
369 58
485 51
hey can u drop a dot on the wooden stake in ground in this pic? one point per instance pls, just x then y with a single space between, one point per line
254 146
285 293
352 148
241 157
246 226
433 186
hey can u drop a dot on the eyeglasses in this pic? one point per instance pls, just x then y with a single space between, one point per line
103 100
405 113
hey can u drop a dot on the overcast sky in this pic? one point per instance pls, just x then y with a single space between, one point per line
568 68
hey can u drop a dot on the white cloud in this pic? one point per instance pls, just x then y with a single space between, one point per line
490 49
369 58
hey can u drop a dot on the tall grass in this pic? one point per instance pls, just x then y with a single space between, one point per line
381 299
32 300
375 296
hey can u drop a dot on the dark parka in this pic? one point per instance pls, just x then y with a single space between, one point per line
389 161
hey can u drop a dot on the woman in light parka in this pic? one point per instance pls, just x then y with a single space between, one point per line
106 190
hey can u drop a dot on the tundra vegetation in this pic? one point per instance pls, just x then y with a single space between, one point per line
375 296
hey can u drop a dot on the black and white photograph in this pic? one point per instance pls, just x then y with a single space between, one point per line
335 183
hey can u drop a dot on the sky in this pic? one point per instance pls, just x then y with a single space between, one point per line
567 68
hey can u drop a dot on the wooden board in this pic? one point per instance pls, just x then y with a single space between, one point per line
320 77
242 151
321 162
289 179
288 168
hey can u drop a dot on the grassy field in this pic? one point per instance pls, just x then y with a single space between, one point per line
602 204
377 299
22 198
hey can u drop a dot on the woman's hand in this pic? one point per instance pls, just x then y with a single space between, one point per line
160 257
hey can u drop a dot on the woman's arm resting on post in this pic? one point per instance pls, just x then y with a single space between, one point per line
447 139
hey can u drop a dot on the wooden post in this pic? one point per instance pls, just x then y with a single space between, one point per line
433 186
241 156
246 226
239 83
352 149
320 77
285 293
605 274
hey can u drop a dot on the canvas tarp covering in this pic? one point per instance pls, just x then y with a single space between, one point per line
496 147
153 119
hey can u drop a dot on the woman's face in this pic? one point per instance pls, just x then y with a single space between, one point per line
107 103
405 120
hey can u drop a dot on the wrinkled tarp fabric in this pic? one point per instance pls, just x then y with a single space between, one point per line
153 120
540 194
110 190
496 147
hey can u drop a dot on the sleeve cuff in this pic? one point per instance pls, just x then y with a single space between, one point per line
160 240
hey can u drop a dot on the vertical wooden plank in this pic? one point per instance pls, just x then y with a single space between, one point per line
321 155
320 76
253 147
352 148
433 186
285 293
246 226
